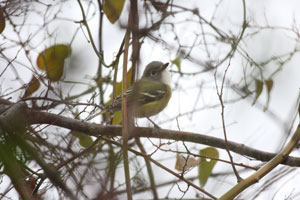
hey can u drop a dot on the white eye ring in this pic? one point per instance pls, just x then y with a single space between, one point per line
153 73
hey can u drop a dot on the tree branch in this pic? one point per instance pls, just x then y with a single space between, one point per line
93 129
269 166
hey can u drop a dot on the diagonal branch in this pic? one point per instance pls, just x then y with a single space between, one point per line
269 166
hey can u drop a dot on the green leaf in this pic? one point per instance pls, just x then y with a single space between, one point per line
206 165
269 84
113 9
32 86
84 140
258 89
52 60
177 62
2 21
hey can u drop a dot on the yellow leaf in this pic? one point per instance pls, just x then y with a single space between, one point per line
2 21
117 118
120 84
113 9
32 86
206 165
52 60
183 164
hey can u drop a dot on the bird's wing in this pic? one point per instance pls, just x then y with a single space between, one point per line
140 94
149 92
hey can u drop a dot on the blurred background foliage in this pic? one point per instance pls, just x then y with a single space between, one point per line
65 57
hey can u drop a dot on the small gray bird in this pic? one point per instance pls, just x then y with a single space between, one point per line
149 95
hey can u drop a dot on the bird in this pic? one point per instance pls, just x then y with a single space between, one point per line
149 95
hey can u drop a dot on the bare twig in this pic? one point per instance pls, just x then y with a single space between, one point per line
125 133
149 169
220 95
165 168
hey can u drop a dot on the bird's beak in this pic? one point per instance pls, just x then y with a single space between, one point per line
164 66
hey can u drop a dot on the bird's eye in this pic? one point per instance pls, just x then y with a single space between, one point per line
153 73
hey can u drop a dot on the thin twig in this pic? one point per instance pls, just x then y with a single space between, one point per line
149 169
125 132
165 168
220 95
99 54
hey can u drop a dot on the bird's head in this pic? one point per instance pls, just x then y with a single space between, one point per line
157 71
